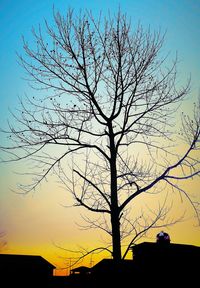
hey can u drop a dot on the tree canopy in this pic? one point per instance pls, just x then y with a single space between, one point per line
108 100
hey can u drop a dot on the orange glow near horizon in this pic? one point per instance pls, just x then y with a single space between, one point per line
39 223
39 227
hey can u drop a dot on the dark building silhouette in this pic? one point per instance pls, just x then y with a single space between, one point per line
81 270
108 273
157 264
79 277
162 255
153 263
25 271
170 261
108 267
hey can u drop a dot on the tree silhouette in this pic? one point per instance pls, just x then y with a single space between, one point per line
107 101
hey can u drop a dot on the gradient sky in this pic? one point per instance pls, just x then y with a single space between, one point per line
33 222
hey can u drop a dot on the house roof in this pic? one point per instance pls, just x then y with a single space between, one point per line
23 260
80 269
109 264
103 263
152 245
150 248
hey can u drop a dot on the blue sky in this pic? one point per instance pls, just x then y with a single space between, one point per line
179 18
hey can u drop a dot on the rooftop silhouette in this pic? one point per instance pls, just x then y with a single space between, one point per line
151 261
25 270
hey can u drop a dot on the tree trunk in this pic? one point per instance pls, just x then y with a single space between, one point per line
116 242
115 222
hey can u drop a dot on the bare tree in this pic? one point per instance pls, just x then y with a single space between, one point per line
107 100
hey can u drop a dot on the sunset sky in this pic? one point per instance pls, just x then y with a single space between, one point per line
37 222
